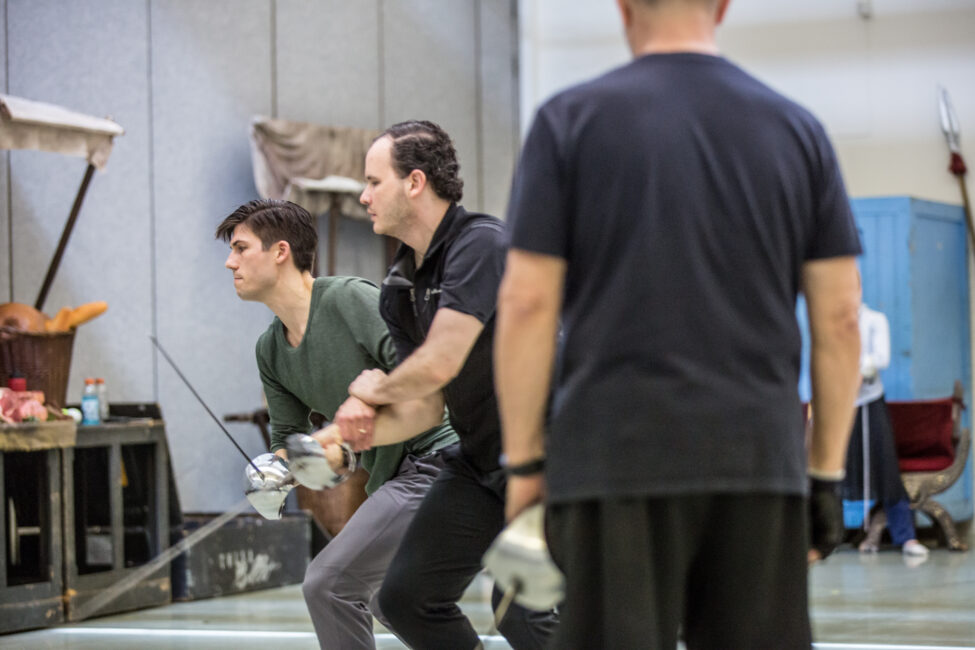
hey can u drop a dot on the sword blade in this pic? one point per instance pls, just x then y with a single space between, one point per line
204 404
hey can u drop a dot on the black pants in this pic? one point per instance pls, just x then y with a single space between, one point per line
730 568
439 557
885 482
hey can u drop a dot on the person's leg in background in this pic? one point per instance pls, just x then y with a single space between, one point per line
900 523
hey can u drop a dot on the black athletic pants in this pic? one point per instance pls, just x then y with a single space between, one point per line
730 568
439 557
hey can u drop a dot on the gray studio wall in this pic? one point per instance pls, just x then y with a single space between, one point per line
184 78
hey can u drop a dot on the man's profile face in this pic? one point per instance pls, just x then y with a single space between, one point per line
385 192
255 271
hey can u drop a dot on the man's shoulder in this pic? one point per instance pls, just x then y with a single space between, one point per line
479 225
339 292
267 341
337 286
481 235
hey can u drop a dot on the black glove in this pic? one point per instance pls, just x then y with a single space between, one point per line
825 516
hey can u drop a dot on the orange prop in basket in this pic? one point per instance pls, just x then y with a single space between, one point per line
86 312
60 321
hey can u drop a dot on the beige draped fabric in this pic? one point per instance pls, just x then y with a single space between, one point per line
26 124
310 164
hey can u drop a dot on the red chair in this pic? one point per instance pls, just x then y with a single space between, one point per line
932 449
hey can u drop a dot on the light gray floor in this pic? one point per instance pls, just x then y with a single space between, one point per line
859 602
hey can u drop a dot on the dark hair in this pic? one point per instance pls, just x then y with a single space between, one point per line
419 144
273 220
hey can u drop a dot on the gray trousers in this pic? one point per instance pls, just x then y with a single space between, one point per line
342 581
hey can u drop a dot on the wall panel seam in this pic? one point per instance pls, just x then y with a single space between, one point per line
274 58
10 187
479 99
516 80
153 285
381 59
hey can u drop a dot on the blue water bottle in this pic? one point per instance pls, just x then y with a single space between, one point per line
89 403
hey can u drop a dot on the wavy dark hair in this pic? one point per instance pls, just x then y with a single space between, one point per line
272 221
423 145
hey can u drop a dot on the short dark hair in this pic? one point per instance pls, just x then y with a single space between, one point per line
273 220
423 145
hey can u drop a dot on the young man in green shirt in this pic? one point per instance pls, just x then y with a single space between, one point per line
326 331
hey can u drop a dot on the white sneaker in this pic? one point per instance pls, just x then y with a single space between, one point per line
914 548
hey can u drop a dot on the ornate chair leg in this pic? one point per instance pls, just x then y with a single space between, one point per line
941 517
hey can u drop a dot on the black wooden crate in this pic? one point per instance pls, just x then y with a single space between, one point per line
247 553
115 500
31 581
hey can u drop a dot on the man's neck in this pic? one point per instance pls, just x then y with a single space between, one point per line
666 31
291 302
424 227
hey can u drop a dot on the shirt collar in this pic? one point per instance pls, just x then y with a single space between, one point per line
403 268
452 219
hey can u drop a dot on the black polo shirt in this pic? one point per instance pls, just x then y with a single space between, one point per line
461 270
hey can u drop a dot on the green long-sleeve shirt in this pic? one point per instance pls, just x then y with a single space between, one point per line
344 336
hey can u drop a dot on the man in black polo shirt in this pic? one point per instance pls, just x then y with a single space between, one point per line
667 213
438 300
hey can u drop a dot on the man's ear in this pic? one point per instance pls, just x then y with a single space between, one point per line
626 13
415 182
722 8
282 251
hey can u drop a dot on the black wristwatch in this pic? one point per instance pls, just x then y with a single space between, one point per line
524 469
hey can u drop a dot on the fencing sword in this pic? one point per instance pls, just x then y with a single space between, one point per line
93 606
207 408
956 165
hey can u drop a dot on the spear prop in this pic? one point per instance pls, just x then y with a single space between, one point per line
952 131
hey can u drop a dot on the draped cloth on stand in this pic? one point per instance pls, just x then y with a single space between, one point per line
26 124
310 164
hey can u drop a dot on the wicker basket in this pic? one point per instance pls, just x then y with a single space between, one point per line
43 358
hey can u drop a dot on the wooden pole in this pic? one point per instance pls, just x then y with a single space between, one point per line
65 234
967 207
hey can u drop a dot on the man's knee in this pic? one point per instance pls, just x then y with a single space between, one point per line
327 580
395 598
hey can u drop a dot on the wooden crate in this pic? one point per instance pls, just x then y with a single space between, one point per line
31 561
248 553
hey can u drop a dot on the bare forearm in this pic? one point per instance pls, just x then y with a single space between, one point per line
523 367
835 378
431 366
418 377
402 421
832 298
528 308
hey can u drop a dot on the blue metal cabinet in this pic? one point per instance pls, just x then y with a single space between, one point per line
915 270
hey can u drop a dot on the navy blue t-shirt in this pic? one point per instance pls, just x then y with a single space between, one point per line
685 196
